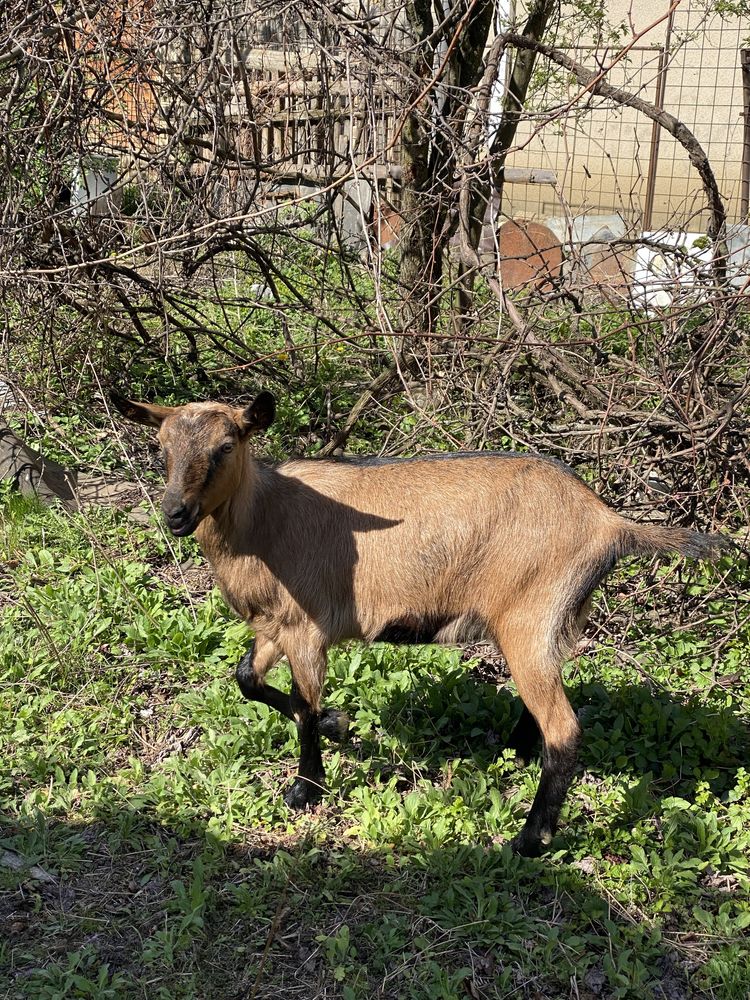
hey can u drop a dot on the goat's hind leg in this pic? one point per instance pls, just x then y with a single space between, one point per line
537 673
524 738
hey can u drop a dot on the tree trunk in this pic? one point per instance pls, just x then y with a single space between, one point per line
418 257
491 177
431 140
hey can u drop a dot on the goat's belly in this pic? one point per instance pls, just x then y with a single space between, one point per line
421 630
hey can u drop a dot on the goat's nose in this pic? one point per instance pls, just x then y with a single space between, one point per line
175 510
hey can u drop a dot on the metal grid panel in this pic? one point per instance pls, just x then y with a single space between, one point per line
598 150
602 153
703 88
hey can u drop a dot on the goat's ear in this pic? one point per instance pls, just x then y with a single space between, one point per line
259 414
141 413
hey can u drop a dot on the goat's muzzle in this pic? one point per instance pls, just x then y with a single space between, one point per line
181 519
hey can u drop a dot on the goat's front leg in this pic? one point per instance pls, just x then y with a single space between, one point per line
250 673
309 785
308 673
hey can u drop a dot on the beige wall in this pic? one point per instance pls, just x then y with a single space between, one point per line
601 154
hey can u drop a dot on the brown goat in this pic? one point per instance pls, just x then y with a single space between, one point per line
436 549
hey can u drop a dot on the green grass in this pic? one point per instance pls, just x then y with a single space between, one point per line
142 797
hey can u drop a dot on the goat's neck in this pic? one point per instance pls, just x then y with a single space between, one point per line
224 534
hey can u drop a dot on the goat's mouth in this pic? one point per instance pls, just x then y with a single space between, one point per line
183 524
182 531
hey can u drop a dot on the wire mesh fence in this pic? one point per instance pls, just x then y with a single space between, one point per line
609 159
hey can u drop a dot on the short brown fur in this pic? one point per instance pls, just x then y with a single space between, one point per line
313 552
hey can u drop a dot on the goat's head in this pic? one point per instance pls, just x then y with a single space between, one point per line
202 445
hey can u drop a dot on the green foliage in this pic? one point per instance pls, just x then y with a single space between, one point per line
254 336
79 975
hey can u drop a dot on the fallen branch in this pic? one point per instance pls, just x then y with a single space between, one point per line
32 474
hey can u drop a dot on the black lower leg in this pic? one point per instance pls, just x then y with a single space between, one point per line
334 725
255 690
525 736
558 767
309 784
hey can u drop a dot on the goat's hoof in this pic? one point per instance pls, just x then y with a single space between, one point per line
523 758
303 793
334 725
528 845
525 750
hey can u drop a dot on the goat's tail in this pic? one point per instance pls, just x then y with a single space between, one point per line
630 539
651 539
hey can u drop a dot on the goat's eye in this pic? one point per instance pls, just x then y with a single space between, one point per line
226 448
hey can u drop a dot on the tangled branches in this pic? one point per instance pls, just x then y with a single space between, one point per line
199 195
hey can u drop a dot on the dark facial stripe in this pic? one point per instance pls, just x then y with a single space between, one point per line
213 465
